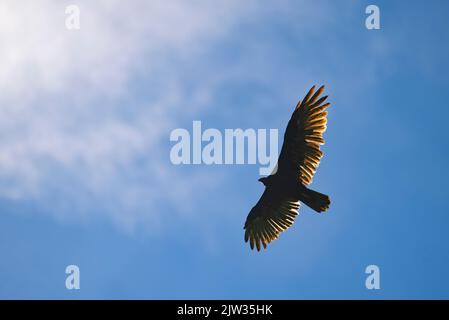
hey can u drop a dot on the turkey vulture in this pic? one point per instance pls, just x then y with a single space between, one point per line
300 156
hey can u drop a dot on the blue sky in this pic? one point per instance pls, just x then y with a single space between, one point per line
85 174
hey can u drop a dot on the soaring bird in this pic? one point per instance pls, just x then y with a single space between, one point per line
300 156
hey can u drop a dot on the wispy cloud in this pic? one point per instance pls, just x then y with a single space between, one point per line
74 137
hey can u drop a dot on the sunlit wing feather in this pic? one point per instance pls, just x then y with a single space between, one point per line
271 215
301 152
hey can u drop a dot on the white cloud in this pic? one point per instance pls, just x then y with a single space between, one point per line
70 137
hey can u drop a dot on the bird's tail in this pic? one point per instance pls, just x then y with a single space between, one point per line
315 200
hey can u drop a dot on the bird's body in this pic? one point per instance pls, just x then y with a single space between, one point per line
278 206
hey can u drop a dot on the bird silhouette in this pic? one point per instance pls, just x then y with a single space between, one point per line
285 188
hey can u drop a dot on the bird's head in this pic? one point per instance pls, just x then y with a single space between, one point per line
264 180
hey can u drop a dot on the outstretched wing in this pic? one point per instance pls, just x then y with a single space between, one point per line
300 153
272 214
